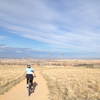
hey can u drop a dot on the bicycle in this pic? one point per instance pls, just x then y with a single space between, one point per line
29 87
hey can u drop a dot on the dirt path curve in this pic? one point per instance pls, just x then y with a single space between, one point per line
19 92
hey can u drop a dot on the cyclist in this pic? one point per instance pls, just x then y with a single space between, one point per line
30 74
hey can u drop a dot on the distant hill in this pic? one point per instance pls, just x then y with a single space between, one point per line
8 52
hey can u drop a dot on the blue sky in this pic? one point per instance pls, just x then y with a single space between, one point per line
71 27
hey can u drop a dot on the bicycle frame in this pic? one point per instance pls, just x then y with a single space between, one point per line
29 87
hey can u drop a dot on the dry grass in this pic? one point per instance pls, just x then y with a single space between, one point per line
65 82
10 75
73 83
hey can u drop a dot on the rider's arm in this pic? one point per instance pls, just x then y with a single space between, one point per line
33 72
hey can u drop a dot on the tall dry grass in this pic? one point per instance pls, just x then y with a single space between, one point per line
73 83
10 75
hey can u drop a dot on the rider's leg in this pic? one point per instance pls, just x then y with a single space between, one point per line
27 79
31 80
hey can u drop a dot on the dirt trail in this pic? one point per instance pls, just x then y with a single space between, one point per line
19 92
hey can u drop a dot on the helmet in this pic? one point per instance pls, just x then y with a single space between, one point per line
28 66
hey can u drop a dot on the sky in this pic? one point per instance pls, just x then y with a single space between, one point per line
50 28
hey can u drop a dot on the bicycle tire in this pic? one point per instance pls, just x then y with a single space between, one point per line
29 90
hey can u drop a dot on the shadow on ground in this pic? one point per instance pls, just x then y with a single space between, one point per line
33 87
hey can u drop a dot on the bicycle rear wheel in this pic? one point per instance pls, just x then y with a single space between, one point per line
29 90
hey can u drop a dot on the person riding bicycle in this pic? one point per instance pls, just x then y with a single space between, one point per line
30 74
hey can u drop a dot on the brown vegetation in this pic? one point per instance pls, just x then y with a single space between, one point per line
67 79
73 83
9 76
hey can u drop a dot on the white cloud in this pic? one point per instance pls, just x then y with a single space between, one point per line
75 26
2 37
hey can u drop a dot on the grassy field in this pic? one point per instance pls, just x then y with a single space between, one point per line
73 83
66 79
10 75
